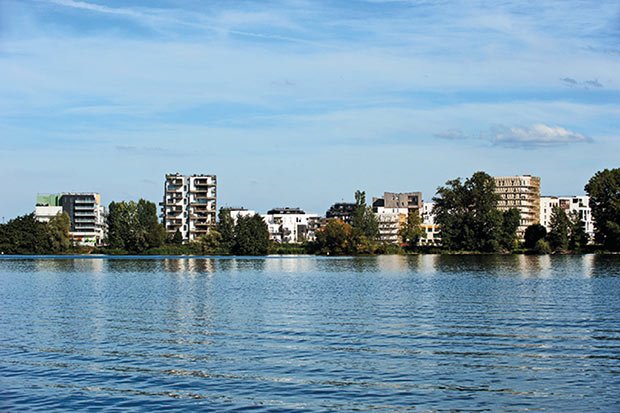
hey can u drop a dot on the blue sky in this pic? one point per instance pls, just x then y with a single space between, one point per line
300 103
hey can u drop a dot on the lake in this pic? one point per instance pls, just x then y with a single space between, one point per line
388 333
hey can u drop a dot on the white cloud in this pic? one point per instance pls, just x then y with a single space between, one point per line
538 135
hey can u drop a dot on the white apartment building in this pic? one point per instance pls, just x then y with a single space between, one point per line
579 204
392 210
290 225
432 234
390 221
189 205
523 193
86 214
235 213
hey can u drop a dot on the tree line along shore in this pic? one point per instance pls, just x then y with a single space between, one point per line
466 212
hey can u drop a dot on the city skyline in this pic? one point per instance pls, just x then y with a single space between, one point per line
294 103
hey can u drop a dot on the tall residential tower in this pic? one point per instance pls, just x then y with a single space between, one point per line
189 205
523 193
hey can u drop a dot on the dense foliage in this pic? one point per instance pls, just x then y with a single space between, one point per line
412 231
335 238
533 234
251 236
364 222
469 219
604 191
134 227
26 235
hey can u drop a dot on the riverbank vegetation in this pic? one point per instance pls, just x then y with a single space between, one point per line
465 210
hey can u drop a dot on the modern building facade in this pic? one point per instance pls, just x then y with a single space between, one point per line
570 204
343 211
432 235
392 210
393 200
189 205
291 225
86 214
523 193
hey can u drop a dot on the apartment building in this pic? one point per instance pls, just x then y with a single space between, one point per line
523 193
86 214
392 210
189 205
579 204
343 211
432 235
291 225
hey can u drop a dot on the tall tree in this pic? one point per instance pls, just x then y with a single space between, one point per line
251 236
134 227
508 233
58 229
467 214
226 228
559 230
604 191
364 221
412 231
533 233
578 237
153 232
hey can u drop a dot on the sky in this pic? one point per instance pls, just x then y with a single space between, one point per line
300 103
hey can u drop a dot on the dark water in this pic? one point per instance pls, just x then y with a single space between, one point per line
428 333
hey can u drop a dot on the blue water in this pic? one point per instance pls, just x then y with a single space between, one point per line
427 333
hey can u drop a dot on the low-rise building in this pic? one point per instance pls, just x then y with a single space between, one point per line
236 212
576 203
86 214
290 225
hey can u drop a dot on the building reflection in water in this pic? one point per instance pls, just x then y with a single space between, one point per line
189 265
79 265
534 265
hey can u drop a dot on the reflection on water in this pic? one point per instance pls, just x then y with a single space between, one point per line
388 333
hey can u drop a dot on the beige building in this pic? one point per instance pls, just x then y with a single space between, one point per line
189 205
392 210
523 193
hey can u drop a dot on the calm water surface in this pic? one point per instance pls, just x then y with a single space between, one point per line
428 333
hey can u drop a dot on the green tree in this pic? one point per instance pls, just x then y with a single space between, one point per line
578 237
177 238
152 232
412 231
251 236
24 235
58 231
508 233
226 228
604 191
335 238
559 230
211 242
134 227
542 247
364 221
467 214
533 233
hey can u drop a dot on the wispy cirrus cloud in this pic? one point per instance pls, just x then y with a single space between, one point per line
585 84
451 134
